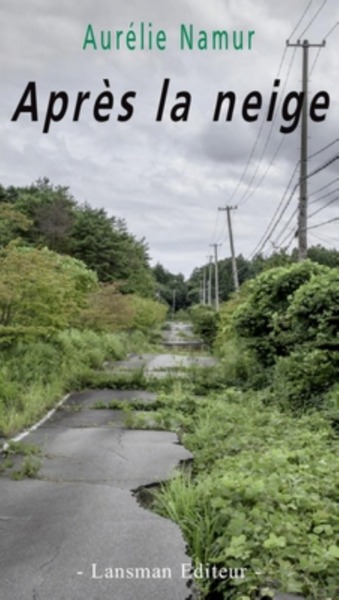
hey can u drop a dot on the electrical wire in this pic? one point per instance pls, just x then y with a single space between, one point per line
324 187
254 147
323 207
315 61
324 223
243 198
324 196
313 18
265 235
301 18
215 226
323 149
324 166
331 31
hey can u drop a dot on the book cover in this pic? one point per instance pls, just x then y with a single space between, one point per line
177 118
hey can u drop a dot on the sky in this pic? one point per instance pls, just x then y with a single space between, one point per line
168 178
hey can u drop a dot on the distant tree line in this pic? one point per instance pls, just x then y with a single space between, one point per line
43 215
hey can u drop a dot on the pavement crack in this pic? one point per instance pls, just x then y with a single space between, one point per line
117 454
48 562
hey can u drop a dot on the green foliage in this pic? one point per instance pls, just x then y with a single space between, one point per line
313 314
170 287
46 215
300 379
260 318
29 468
263 496
13 224
287 321
34 375
105 246
41 288
108 310
147 313
21 448
205 322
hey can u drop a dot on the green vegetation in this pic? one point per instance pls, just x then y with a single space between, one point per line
29 468
205 322
262 426
76 290
34 375
258 497
29 462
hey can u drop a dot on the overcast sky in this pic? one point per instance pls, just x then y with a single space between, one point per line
167 179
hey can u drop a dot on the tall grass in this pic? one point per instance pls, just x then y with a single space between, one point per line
33 375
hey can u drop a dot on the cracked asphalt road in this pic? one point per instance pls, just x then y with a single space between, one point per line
64 533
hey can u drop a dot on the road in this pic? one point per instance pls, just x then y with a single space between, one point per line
76 531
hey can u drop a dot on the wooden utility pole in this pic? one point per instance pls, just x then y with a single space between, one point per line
204 285
209 298
230 232
216 274
302 221
174 303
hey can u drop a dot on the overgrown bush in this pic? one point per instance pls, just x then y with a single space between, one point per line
284 329
205 321
301 379
260 319
147 313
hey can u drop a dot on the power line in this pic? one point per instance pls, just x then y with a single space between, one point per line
302 18
323 149
324 166
315 61
324 223
243 198
296 210
284 209
261 244
324 187
324 196
331 30
254 147
286 225
313 18
215 226
324 238
287 237
323 207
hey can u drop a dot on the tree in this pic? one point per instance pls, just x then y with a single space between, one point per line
49 210
106 246
167 284
41 288
13 224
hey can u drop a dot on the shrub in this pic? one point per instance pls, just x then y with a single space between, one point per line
260 319
205 322
313 314
301 379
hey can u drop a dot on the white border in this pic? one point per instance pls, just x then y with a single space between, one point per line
25 433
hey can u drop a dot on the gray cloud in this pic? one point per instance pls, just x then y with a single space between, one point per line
167 179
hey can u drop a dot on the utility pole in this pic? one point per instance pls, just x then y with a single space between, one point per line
302 221
204 285
209 301
234 260
174 303
216 273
